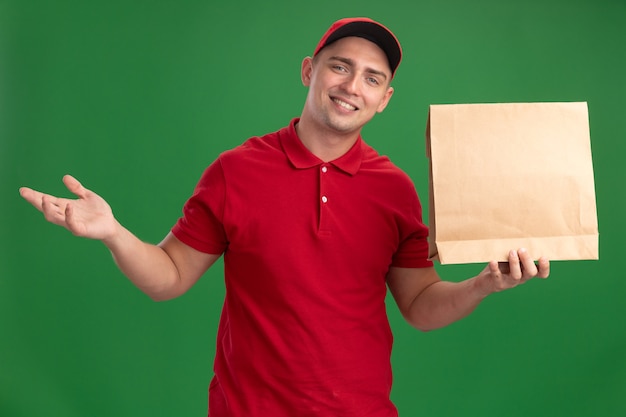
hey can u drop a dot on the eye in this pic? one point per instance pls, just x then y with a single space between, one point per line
340 68
373 80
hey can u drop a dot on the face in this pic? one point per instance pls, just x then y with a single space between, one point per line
348 84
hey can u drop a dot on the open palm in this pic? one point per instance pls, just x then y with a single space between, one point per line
88 216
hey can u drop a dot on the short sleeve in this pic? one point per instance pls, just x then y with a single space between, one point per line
413 248
201 225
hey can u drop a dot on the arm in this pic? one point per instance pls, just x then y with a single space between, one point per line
428 303
161 271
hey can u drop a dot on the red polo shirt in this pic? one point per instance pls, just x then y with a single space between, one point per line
307 246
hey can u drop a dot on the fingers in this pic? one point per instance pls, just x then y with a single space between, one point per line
519 268
75 186
515 267
497 268
544 268
36 198
77 229
522 266
499 277
529 269
32 196
53 209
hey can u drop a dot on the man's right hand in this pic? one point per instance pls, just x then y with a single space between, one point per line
161 271
88 216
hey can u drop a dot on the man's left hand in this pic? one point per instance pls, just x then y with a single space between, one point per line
521 267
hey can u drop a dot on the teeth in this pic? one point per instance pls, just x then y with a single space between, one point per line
344 104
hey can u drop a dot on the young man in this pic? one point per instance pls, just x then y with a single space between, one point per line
314 226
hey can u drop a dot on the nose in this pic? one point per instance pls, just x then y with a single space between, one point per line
350 84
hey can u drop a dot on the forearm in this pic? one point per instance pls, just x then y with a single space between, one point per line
147 266
443 303
429 303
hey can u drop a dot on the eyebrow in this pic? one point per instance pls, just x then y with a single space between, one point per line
350 62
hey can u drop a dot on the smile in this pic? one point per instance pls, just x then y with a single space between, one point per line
343 104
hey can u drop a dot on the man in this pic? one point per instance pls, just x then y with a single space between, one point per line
314 225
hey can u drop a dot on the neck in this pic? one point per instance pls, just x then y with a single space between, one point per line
327 145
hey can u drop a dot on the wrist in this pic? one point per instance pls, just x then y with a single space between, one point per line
114 239
481 287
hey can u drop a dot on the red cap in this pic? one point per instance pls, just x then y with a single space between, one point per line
366 28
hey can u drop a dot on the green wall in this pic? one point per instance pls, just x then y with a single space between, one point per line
136 98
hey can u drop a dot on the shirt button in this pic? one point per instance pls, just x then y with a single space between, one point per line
324 169
324 199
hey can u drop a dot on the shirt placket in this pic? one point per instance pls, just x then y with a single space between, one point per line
325 200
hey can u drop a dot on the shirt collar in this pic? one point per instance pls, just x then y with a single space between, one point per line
301 158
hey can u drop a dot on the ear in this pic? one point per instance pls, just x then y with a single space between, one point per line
307 70
385 100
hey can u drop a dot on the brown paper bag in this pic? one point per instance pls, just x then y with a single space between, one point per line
506 176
